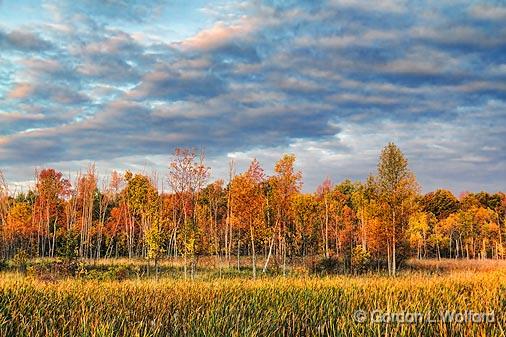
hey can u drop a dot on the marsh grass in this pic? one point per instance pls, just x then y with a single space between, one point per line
449 265
270 306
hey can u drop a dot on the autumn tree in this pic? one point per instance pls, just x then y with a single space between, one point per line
420 225
228 220
51 189
337 217
441 203
142 202
154 237
397 189
112 224
324 194
362 201
187 176
85 195
377 222
286 185
104 201
4 210
20 233
213 200
248 199
307 222
344 220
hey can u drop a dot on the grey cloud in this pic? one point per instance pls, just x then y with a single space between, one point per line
331 81
488 12
171 84
108 70
23 41
461 36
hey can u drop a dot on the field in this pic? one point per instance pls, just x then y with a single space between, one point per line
419 302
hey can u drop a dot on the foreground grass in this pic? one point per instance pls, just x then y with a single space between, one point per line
300 306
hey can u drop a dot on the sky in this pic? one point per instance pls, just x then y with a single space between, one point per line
122 83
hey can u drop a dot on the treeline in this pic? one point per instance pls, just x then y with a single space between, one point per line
377 223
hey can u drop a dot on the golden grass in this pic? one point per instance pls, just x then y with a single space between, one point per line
460 264
302 306
202 261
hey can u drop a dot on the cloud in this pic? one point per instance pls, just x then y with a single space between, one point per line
453 158
220 34
331 81
166 83
393 6
363 100
21 90
23 41
130 11
38 65
17 116
27 91
460 36
116 43
488 12
345 41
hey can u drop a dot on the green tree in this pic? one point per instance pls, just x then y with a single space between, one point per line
441 203
397 190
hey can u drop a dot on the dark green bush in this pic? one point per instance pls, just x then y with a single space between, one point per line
326 266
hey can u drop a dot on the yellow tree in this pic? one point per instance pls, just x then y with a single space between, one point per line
287 184
324 197
448 229
437 238
362 203
342 223
143 204
419 225
154 237
19 230
485 221
212 203
305 208
248 199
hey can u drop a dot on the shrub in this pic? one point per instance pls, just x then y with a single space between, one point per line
3 265
20 260
327 265
360 260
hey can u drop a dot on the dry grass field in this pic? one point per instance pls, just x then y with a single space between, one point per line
416 303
